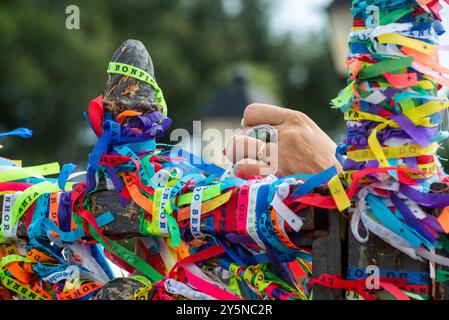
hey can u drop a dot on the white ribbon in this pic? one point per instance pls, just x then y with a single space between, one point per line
251 223
55 277
229 172
390 28
195 213
356 218
432 257
175 287
163 221
76 174
8 230
284 211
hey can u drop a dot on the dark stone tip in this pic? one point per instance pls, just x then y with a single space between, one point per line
126 93
134 51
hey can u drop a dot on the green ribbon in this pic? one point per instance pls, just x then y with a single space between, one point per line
123 253
387 66
343 98
441 276
139 74
395 15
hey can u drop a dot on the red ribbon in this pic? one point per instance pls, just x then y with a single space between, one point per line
77 198
388 284
96 115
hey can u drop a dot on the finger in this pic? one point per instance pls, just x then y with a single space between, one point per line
244 147
268 153
257 114
247 168
241 147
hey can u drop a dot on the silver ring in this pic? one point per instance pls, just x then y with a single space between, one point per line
265 133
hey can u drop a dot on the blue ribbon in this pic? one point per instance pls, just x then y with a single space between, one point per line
315 181
19 132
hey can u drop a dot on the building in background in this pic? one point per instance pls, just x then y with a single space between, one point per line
340 17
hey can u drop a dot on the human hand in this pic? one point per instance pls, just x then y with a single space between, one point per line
300 145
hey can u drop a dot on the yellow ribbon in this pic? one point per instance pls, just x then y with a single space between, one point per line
375 145
411 150
27 172
398 39
339 194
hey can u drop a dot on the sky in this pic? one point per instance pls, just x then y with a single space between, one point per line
299 15
303 16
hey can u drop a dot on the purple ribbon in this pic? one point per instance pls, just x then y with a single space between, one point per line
238 238
419 134
431 200
411 163
150 126
433 223
411 219
64 211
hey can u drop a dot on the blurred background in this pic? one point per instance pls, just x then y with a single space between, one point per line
212 58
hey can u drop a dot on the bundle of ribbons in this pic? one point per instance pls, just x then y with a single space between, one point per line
203 233
394 111
206 234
